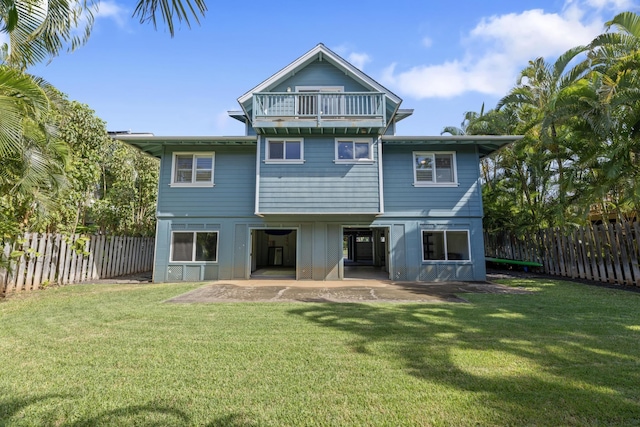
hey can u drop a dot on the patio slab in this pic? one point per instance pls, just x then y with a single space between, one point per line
348 291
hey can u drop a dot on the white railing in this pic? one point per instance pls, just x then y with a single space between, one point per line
319 104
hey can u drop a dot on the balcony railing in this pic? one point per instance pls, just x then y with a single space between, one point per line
319 105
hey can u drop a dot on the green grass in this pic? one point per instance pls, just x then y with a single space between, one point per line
566 354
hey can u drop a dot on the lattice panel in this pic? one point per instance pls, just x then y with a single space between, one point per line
192 273
446 272
240 252
334 251
428 273
464 272
174 273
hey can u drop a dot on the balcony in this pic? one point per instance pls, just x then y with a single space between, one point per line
318 112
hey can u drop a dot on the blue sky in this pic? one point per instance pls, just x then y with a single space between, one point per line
441 57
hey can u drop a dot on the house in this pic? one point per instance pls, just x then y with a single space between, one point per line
319 188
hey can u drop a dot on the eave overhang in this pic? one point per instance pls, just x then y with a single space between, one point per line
486 144
154 145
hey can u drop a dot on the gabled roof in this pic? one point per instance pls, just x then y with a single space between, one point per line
323 53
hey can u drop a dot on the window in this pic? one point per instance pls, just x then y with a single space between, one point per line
434 169
192 169
285 151
353 150
448 245
192 246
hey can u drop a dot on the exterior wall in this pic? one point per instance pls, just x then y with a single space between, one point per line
232 193
319 248
319 184
401 198
320 73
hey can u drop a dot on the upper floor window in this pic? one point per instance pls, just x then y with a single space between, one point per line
192 246
435 169
446 245
284 151
354 150
192 169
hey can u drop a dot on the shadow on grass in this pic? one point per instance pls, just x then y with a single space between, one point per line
10 406
527 357
151 414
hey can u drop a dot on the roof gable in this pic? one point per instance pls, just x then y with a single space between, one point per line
319 53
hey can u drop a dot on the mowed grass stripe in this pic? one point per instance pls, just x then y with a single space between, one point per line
566 354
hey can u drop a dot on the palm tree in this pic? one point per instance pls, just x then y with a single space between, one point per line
40 29
544 98
615 58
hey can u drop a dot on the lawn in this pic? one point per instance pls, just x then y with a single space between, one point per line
85 355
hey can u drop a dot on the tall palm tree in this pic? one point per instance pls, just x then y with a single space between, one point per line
615 58
544 98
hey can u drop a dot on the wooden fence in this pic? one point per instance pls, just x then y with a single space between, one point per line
56 259
605 253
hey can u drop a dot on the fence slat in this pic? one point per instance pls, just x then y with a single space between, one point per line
37 274
607 252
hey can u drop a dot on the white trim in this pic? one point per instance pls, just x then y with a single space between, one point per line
257 200
380 180
444 231
193 250
368 160
313 89
267 160
318 213
325 53
193 182
434 183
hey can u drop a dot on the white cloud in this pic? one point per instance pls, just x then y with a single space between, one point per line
112 10
494 52
359 60
222 122
427 42
618 5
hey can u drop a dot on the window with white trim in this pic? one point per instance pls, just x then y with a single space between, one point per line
436 169
285 150
194 246
445 245
192 169
349 150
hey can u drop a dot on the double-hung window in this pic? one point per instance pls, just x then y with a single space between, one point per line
194 246
434 169
285 150
445 245
349 150
192 169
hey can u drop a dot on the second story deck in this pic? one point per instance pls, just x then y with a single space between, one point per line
319 112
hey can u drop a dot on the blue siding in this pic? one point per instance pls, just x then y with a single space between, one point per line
320 73
319 247
232 195
319 185
403 199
